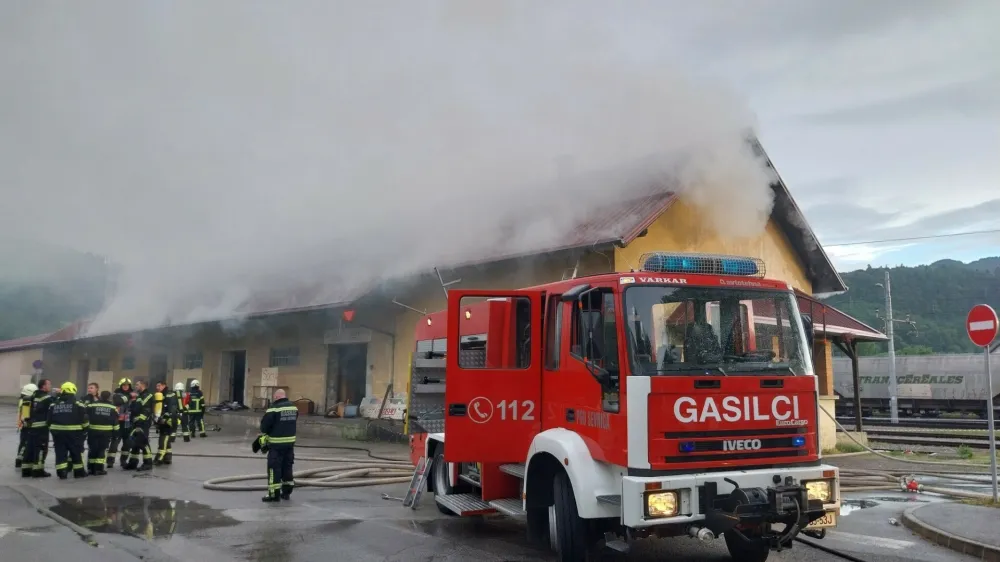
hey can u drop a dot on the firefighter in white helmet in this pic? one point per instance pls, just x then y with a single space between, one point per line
196 410
23 413
182 402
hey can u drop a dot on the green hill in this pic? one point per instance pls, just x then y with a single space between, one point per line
936 297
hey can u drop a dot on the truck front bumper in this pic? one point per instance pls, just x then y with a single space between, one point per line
808 497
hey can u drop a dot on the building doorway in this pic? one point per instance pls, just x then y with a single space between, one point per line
82 372
239 376
346 373
233 376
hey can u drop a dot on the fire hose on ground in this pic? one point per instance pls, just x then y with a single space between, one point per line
344 473
857 480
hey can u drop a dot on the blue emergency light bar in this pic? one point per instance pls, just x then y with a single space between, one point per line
703 264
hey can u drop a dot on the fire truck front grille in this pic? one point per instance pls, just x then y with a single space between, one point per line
732 445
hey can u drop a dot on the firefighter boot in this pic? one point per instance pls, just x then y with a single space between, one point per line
17 463
131 464
79 473
110 462
25 472
187 438
61 473
39 473
271 498
286 492
146 465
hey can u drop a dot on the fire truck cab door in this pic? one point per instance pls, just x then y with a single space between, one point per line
493 375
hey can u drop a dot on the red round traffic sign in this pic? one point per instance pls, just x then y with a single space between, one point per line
981 324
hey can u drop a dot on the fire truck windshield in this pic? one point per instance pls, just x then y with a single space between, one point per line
713 330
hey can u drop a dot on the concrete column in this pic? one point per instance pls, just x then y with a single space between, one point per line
823 365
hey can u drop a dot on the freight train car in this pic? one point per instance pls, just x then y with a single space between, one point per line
927 385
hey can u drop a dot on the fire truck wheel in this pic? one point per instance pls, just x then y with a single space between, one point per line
742 550
570 530
439 472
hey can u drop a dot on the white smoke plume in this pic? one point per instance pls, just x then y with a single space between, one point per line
222 150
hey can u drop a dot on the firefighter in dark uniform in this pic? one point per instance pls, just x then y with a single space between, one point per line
166 424
122 400
277 438
196 410
182 427
142 412
103 418
38 432
23 415
93 390
68 422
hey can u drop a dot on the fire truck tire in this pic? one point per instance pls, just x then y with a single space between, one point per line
569 532
743 550
439 474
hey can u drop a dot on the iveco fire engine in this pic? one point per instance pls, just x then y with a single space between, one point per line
678 399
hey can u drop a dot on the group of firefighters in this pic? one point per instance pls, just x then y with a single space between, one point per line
104 422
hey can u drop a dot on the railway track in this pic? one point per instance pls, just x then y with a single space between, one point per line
921 423
930 438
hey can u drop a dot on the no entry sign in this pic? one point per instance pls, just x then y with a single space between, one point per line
981 325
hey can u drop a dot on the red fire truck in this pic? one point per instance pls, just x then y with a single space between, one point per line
675 400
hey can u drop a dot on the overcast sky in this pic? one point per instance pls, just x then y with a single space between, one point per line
229 138
882 116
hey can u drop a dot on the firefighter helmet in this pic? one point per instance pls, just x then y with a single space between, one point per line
68 388
195 383
179 387
125 381
28 389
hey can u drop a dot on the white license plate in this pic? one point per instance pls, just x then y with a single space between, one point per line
829 519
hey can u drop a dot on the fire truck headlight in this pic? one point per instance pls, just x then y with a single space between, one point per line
661 504
820 490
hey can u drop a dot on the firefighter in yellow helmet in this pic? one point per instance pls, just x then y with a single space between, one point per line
196 410
169 416
23 414
143 410
122 400
182 428
68 422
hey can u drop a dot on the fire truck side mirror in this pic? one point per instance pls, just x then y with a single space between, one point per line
807 324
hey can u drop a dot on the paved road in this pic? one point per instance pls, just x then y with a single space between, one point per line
167 515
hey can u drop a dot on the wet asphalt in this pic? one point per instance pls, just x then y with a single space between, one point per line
167 515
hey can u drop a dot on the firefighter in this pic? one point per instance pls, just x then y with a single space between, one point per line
103 417
68 422
23 414
38 432
277 439
166 423
196 409
182 403
122 400
143 410
93 392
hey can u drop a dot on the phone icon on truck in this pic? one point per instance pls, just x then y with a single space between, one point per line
482 409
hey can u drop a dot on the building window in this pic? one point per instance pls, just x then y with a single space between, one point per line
193 360
284 356
128 363
103 364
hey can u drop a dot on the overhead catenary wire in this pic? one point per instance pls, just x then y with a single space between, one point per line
914 238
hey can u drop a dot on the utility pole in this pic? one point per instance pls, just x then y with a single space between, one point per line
893 391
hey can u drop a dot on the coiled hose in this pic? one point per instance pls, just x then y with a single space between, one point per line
346 473
857 480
